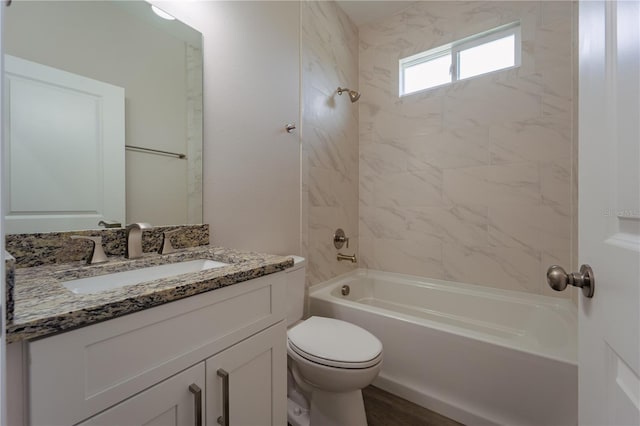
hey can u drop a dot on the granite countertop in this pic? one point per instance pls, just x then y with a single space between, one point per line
43 306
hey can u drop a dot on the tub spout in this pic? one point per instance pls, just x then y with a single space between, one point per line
342 257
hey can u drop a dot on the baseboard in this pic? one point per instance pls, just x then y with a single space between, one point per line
446 408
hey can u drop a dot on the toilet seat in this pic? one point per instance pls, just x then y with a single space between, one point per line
334 343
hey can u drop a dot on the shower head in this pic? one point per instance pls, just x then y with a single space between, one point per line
353 95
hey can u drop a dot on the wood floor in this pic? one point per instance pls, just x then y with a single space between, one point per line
385 409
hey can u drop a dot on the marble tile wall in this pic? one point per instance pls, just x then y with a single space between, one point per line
475 181
329 134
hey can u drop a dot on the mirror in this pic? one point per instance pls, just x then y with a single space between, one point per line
103 116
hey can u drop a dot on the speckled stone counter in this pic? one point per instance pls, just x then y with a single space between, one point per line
9 280
46 248
43 306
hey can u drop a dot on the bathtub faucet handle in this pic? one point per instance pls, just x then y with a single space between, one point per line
339 239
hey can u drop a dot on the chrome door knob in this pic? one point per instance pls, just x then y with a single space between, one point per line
558 279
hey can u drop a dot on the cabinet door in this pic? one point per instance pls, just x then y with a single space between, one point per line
173 402
256 383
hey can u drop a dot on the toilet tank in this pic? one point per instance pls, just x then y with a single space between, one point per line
295 290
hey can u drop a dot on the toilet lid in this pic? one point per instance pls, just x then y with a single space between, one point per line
335 343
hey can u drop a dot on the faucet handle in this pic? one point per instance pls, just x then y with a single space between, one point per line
97 252
139 225
339 238
166 247
110 224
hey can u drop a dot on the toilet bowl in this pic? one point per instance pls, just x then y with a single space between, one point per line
330 361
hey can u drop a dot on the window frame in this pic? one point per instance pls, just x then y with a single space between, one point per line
453 50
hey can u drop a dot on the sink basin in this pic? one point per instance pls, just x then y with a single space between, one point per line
120 279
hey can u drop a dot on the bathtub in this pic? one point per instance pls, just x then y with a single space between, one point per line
478 355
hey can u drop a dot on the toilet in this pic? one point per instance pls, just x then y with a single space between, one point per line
329 362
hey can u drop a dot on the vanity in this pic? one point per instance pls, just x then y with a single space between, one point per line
203 347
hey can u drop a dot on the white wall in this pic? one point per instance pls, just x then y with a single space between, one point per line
251 185
154 80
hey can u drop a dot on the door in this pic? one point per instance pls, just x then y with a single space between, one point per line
176 401
251 379
64 149
609 212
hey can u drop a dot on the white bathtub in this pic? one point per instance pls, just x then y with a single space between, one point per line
476 354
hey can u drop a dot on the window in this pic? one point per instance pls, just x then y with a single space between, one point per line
479 54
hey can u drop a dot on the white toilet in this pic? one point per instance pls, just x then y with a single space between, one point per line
329 362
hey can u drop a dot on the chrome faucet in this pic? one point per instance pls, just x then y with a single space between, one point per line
134 240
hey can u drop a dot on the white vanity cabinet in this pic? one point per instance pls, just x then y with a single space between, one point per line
247 376
169 403
137 369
